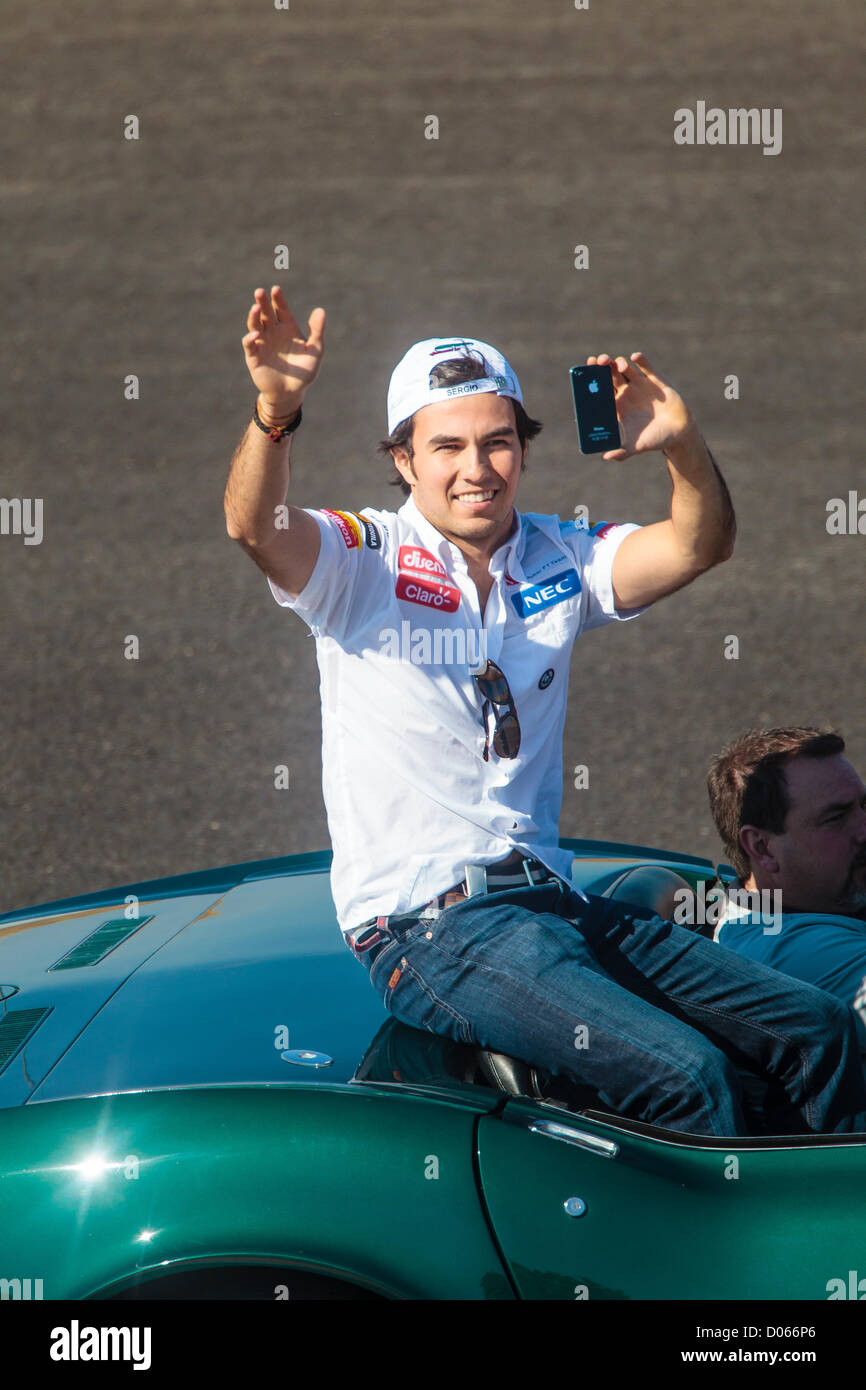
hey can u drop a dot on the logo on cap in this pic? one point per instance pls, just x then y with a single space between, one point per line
449 347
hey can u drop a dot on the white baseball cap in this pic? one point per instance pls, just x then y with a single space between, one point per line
410 387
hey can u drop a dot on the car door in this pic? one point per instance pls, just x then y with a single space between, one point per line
587 1209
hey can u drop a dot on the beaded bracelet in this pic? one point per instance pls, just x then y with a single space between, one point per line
276 432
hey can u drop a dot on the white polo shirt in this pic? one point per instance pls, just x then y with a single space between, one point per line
409 795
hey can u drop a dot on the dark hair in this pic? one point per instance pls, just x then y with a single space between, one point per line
450 373
747 786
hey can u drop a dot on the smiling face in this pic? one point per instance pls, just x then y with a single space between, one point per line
465 468
819 860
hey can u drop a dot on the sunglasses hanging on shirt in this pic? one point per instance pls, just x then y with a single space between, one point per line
497 696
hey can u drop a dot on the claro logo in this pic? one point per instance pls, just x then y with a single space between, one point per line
558 588
444 598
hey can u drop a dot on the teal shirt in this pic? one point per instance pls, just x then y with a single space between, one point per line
822 949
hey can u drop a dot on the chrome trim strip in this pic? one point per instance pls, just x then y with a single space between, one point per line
579 1137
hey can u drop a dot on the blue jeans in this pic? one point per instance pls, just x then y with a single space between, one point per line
654 1017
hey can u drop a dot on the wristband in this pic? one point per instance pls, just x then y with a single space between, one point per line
276 432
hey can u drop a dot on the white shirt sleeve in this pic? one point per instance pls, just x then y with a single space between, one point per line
594 556
349 578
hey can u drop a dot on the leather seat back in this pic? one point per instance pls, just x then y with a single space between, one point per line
655 887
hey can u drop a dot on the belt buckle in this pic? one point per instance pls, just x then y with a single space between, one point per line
476 879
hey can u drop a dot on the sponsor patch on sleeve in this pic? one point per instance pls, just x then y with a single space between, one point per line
372 534
348 526
601 528
355 529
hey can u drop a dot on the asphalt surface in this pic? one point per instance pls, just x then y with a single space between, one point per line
305 126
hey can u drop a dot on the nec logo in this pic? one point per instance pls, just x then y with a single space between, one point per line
558 588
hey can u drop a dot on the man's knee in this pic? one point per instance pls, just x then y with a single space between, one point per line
833 1018
816 1017
691 1086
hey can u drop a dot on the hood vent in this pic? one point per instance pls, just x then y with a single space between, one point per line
16 1026
100 942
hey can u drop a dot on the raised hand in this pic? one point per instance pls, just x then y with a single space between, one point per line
652 415
281 360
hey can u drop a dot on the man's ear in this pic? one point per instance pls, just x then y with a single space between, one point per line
755 843
403 464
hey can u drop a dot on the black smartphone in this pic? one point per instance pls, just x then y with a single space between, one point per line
595 409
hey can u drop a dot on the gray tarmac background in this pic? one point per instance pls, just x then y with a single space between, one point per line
306 127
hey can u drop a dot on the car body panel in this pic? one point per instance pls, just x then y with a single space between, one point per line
179 1058
673 1221
97 1194
206 991
246 981
28 951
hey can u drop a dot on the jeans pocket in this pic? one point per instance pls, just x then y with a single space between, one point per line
418 996
383 966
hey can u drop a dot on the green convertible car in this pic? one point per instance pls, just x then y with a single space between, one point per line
202 1096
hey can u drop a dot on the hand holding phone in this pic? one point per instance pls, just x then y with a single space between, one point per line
644 414
595 409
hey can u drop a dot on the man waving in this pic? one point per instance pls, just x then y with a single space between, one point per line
443 635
